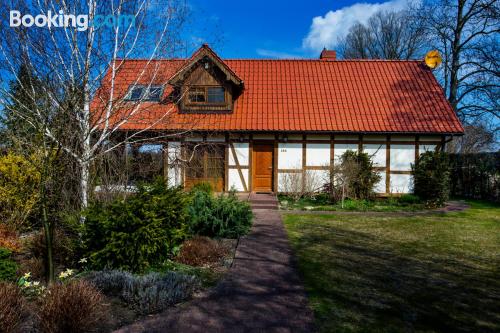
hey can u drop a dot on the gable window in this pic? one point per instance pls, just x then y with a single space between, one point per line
207 95
197 95
140 92
216 95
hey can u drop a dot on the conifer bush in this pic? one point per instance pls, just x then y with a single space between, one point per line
224 216
138 232
431 178
8 267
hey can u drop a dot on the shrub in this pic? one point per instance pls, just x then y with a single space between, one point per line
8 267
73 307
201 251
431 177
202 187
19 194
148 293
137 232
12 308
223 216
110 282
155 292
9 238
355 177
63 246
408 199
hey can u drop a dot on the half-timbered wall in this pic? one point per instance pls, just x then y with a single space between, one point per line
307 158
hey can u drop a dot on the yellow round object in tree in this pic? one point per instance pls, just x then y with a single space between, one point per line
433 59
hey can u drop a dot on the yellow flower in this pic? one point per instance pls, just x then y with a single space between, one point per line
63 275
83 261
27 275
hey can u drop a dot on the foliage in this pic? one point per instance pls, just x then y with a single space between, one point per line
148 293
19 192
224 216
354 177
200 251
12 308
64 246
431 177
8 267
202 187
475 175
405 202
137 232
76 306
9 238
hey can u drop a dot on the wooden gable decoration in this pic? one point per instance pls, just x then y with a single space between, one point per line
205 69
205 55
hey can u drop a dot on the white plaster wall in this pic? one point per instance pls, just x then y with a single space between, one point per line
285 180
401 183
235 179
315 179
318 154
174 172
380 186
290 156
341 148
242 153
377 153
402 156
423 148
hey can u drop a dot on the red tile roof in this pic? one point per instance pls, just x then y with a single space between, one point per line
303 95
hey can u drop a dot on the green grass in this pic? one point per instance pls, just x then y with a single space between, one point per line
320 203
207 276
396 273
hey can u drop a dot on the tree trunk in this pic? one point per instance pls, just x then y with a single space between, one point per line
455 55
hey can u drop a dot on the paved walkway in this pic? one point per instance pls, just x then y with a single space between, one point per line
261 292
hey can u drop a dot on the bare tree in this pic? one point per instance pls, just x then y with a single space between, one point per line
75 59
387 35
477 138
466 33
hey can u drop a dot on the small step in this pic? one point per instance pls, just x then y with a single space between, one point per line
264 201
271 207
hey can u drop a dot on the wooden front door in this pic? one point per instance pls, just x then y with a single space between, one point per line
262 167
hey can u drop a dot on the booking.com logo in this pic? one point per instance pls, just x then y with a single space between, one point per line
62 20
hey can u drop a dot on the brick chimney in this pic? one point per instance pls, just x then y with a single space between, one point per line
328 54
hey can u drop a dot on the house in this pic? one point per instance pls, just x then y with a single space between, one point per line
253 124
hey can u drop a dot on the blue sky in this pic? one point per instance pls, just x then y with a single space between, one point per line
277 29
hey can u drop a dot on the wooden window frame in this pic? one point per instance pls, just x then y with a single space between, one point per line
206 103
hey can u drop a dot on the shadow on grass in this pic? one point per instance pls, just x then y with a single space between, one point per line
362 283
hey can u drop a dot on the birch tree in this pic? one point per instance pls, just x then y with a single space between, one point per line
86 47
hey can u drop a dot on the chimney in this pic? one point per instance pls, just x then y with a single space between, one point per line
328 54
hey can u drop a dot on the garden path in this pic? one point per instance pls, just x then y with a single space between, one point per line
261 293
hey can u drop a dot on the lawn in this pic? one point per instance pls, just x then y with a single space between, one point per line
399 273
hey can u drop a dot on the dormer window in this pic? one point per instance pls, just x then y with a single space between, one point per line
144 93
207 95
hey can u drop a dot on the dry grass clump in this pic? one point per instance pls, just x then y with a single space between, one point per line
12 308
201 251
73 307
9 238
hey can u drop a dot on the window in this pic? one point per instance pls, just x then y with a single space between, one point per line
135 93
154 93
139 92
208 95
197 95
216 95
